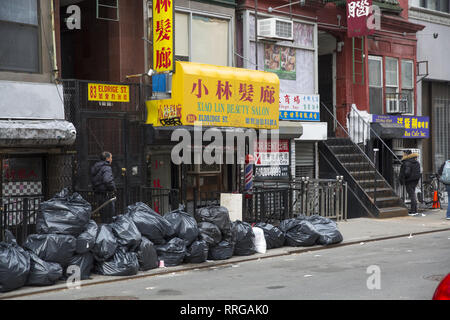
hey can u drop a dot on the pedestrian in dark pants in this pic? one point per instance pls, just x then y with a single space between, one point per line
447 186
409 177
104 187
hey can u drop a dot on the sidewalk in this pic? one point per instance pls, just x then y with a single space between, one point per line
353 230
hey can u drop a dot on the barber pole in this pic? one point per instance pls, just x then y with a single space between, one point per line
248 173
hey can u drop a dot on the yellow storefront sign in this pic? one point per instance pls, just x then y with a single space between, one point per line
163 35
108 92
218 96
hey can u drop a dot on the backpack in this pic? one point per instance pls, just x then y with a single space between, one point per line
445 177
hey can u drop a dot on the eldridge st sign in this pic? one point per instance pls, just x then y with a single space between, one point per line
218 96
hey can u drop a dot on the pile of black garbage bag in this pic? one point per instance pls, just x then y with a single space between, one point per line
139 240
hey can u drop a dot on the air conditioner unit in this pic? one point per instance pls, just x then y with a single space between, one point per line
275 28
392 106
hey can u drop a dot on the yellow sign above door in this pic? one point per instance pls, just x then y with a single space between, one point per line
218 96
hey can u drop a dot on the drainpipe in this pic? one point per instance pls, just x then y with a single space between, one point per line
55 63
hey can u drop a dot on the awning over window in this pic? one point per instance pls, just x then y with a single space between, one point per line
36 133
388 130
210 95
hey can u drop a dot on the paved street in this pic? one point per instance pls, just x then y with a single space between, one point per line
410 268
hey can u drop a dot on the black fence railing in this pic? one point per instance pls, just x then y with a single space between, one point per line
274 201
159 199
18 215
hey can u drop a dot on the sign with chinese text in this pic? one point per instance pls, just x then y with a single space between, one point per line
108 92
163 36
272 158
358 11
299 107
218 96
415 127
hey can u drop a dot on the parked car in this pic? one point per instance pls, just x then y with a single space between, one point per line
443 290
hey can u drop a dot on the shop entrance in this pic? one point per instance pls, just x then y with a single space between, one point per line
327 79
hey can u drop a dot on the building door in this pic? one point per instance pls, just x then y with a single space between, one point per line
326 90
118 135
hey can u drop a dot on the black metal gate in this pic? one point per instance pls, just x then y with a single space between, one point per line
107 126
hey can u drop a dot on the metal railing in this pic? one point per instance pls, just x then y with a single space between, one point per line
274 201
159 199
18 214
360 132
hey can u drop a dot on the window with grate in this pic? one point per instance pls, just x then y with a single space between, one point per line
19 29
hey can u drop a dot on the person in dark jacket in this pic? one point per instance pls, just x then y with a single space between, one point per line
410 174
103 184
447 186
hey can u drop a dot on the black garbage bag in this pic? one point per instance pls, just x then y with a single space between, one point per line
172 253
86 240
244 238
147 255
85 262
197 252
43 273
210 233
105 243
58 248
185 225
273 235
123 263
224 250
327 229
217 215
151 224
126 232
14 264
65 213
299 233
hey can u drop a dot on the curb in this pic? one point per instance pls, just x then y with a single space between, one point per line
189 267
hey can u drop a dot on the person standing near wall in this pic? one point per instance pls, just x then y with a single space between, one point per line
103 184
444 177
409 177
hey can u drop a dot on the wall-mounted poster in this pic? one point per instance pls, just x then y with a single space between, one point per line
280 60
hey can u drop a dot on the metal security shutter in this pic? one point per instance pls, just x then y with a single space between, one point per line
304 159
440 121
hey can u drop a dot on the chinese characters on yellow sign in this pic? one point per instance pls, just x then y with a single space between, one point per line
163 36
218 96
108 92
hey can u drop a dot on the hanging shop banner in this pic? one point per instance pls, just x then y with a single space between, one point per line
415 127
163 36
272 159
299 107
108 92
280 60
358 11
211 95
